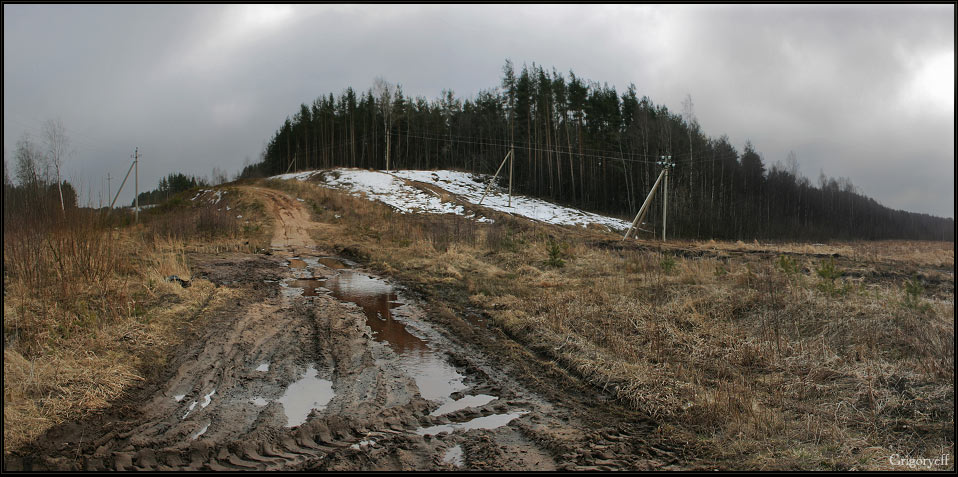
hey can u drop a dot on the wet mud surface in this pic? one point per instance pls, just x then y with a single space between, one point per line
322 365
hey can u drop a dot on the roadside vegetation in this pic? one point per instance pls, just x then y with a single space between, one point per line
781 356
89 309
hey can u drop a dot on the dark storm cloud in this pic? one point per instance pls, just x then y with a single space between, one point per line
853 90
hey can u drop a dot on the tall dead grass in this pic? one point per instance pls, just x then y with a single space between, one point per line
752 358
87 306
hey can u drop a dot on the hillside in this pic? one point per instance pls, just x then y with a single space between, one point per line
585 145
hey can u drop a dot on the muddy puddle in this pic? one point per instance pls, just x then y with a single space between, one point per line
296 263
453 456
334 263
302 396
389 317
434 376
493 421
308 286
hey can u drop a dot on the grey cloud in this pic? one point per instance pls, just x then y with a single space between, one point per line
198 86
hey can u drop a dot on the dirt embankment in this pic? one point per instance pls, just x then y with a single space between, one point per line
323 365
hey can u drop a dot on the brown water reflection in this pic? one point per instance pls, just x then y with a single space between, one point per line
296 263
333 263
309 285
377 299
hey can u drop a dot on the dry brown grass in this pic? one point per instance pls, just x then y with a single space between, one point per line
769 368
87 307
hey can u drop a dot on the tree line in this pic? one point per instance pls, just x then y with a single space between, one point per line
170 185
584 144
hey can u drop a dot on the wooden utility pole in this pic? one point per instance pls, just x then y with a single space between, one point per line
127 176
645 206
667 164
489 184
512 159
136 181
109 190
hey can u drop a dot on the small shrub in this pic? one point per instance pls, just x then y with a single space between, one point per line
721 270
555 255
788 265
828 273
667 264
914 289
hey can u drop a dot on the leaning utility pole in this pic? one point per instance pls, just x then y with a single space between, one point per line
489 184
637 223
127 176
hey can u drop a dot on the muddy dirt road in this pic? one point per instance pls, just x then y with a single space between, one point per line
322 365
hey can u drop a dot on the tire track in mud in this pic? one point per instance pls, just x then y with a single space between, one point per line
225 404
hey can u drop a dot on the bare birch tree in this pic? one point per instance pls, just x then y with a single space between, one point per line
385 90
56 141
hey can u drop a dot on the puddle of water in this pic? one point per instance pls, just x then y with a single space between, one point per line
486 422
377 299
363 443
434 376
466 401
304 395
453 456
200 432
296 263
334 263
264 366
207 399
258 401
188 411
308 285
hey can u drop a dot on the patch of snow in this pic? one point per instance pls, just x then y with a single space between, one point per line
466 187
179 397
392 189
300 176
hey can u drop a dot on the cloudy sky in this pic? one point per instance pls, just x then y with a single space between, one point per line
863 91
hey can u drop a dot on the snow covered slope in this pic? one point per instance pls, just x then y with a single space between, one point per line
392 189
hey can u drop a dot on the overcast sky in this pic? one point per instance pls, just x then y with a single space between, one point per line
863 91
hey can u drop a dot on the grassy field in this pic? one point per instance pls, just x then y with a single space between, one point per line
765 356
771 356
88 311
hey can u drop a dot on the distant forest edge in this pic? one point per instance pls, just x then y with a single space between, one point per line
583 144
